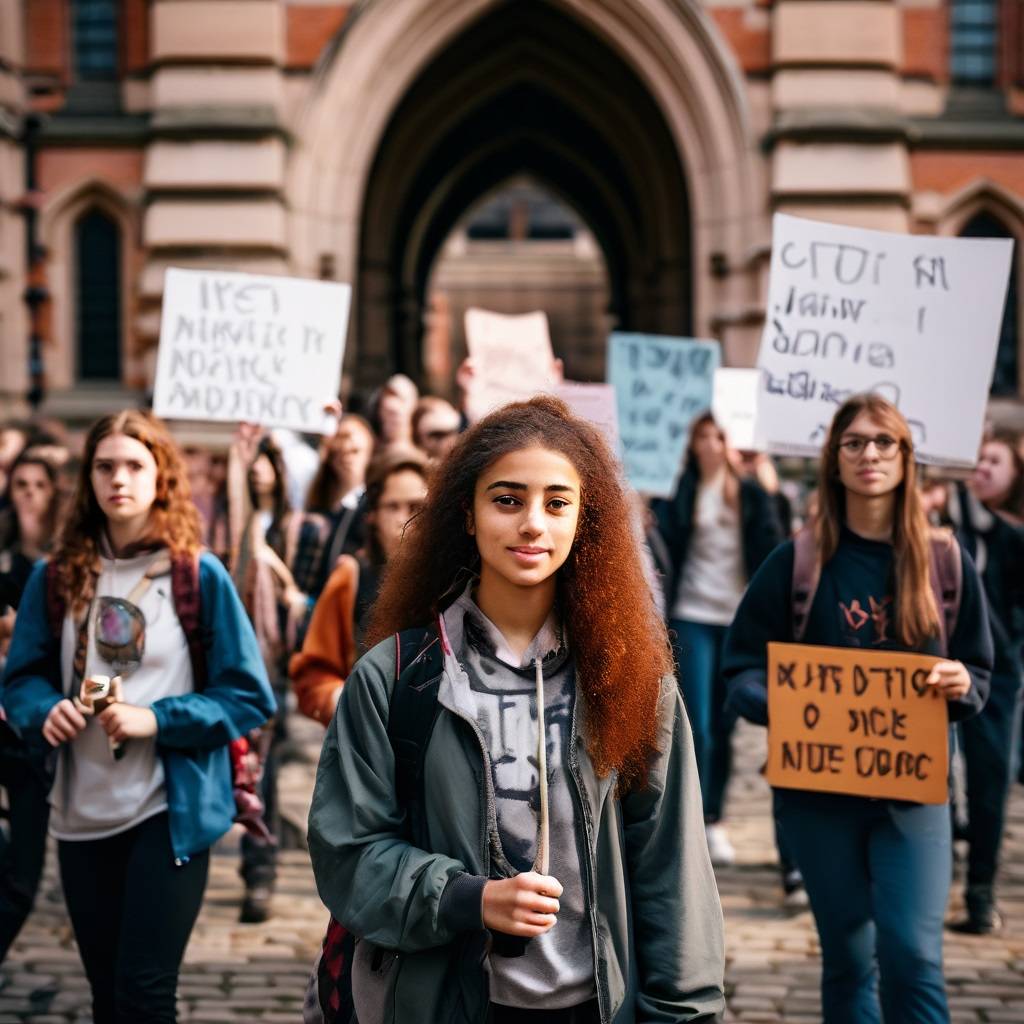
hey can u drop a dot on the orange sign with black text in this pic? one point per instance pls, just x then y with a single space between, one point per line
847 720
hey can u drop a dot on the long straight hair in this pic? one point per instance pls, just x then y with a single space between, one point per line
917 617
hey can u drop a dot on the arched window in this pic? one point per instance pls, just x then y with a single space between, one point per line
94 32
98 292
973 38
1005 380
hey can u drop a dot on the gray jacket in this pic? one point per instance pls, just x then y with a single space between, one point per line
655 913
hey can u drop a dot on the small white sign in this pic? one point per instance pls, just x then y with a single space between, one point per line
512 358
915 318
734 405
250 348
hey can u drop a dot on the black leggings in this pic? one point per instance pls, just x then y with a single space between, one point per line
132 910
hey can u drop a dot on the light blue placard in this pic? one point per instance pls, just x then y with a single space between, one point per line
661 385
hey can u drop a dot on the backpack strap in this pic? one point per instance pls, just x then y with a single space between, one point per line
419 662
806 574
945 573
187 605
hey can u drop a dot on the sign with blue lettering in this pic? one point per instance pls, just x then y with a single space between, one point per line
914 318
250 348
661 385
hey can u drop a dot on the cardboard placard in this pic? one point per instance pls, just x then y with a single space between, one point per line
915 318
861 722
734 406
661 385
512 357
246 347
596 404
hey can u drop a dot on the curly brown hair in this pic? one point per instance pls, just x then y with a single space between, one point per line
619 641
173 521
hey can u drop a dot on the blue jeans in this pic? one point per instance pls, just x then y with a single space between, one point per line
877 873
697 648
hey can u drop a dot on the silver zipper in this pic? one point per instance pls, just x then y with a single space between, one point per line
585 863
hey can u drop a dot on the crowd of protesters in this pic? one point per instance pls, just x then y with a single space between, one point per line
161 609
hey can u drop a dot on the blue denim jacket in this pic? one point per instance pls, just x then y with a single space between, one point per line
193 730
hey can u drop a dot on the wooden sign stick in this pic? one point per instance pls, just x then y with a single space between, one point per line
543 850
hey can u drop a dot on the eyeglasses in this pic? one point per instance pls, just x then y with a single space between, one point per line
885 445
120 633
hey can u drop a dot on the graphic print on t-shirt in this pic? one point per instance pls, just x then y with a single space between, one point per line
866 626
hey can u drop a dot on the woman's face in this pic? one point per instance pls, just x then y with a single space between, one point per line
263 476
993 477
31 492
525 509
709 448
124 478
870 458
403 496
350 451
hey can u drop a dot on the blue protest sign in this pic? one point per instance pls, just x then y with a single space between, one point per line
661 384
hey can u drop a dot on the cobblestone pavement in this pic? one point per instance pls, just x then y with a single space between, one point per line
236 973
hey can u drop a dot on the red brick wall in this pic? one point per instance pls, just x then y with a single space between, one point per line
134 29
47 38
926 42
951 171
309 29
751 43
119 168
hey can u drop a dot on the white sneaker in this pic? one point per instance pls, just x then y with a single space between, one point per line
722 851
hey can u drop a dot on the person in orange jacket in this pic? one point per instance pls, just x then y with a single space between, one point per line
396 486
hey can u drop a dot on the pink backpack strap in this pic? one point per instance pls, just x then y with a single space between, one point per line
806 573
945 573
187 605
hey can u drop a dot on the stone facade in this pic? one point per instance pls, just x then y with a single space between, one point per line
341 140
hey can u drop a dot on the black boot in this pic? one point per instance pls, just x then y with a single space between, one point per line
982 916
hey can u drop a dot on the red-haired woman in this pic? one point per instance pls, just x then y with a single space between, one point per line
521 565
143 783
718 529
877 871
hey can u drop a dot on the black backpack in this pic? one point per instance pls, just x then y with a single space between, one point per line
413 710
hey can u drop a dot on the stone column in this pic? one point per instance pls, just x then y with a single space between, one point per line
839 142
215 165
13 319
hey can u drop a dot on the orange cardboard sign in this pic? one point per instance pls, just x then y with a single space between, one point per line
846 720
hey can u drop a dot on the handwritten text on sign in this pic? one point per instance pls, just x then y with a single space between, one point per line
914 318
661 385
845 720
243 347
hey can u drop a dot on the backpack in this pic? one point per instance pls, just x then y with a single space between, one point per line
945 576
412 714
245 751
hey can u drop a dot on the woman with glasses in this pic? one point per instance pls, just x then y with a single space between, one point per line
718 529
142 783
877 871
396 488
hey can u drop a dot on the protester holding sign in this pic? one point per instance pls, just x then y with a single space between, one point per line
531 634
129 594
718 529
986 516
877 871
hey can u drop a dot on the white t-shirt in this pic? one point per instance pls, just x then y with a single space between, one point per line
713 579
94 796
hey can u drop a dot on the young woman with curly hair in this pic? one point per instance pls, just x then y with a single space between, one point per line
522 564
143 784
877 871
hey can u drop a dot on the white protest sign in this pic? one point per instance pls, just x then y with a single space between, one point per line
596 404
512 358
734 405
915 318
244 347
661 385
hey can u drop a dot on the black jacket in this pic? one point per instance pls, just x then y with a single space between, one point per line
759 527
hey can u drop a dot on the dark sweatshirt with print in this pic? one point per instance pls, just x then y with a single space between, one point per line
853 607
